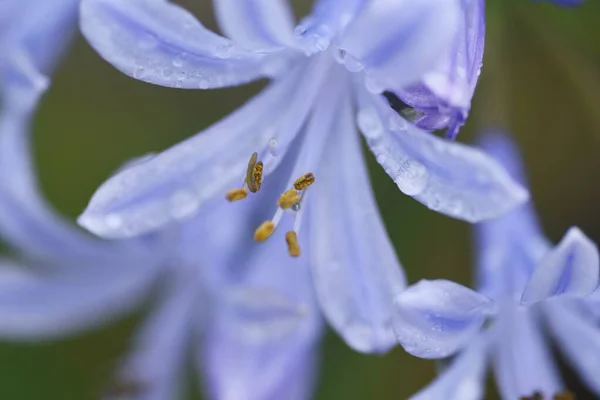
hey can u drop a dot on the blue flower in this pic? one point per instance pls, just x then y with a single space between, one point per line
524 282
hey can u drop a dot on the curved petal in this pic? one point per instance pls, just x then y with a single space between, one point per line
523 362
405 40
161 43
434 319
464 379
445 92
173 185
448 177
267 321
35 307
355 277
152 371
572 268
327 20
578 338
261 25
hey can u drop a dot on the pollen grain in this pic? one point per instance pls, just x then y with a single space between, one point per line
292 242
304 181
264 231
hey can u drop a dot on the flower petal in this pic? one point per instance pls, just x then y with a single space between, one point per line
154 367
173 185
452 178
264 25
327 20
572 268
523 362
35 307
267 321
464 379
365 270
161 43
405 40
446 91
434 319
578 338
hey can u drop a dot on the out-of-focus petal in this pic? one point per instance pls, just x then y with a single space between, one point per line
268 322
523 362
578 338
446 91
198 171
356 277
161 43
327 20
261 25
153 369
397 41
434 319
571 268
516 240
35 307
464 379
445 176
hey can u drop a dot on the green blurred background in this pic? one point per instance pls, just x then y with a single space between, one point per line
541 80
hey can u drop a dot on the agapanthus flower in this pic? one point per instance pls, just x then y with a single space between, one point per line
526 287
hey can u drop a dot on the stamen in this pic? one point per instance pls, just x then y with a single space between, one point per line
236 194
292 242
264 231
257 173
250 173
564 396
304 181
288 199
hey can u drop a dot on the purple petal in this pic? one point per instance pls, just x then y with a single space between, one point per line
446 176
155 365
523 362
434 319
35 307
264 25
173 185
356 276
571 268
161 43
578 338
464 379
405 40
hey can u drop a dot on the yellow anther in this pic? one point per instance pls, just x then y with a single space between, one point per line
236 194
564 396
288 199
292 242
304 181
257 173
250 172
264 231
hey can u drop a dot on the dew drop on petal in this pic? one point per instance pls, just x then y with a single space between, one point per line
352 64
139 72
369 123
412 177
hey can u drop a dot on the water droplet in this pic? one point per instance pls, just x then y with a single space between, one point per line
273 146
412 177
369 123
352 64
139 72
178 61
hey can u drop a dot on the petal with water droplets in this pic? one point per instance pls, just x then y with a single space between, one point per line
161 43
448 177
434 319
571 268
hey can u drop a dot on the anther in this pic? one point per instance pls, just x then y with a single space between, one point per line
250 181
292 242
304 181
236 194
564 396
264 231
288 199
257 173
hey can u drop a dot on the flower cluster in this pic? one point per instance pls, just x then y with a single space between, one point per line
263 227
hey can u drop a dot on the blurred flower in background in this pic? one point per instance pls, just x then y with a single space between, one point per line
524 284
112 106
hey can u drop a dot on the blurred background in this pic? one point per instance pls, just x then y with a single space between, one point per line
541 81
